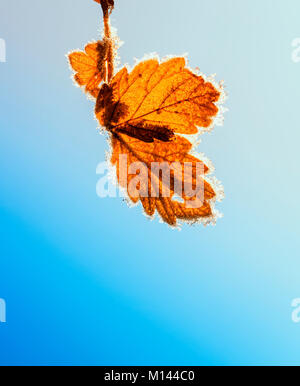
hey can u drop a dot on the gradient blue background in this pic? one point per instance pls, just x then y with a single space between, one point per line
89 281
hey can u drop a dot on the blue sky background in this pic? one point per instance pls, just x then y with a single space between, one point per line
90 281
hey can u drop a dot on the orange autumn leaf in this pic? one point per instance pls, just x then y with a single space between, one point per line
150 114
143 111
90 66
158 152
166 94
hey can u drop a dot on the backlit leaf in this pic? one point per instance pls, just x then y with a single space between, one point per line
90 66
165 94
144 110
150 114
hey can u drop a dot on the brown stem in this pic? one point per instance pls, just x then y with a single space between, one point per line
108 37
110 51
